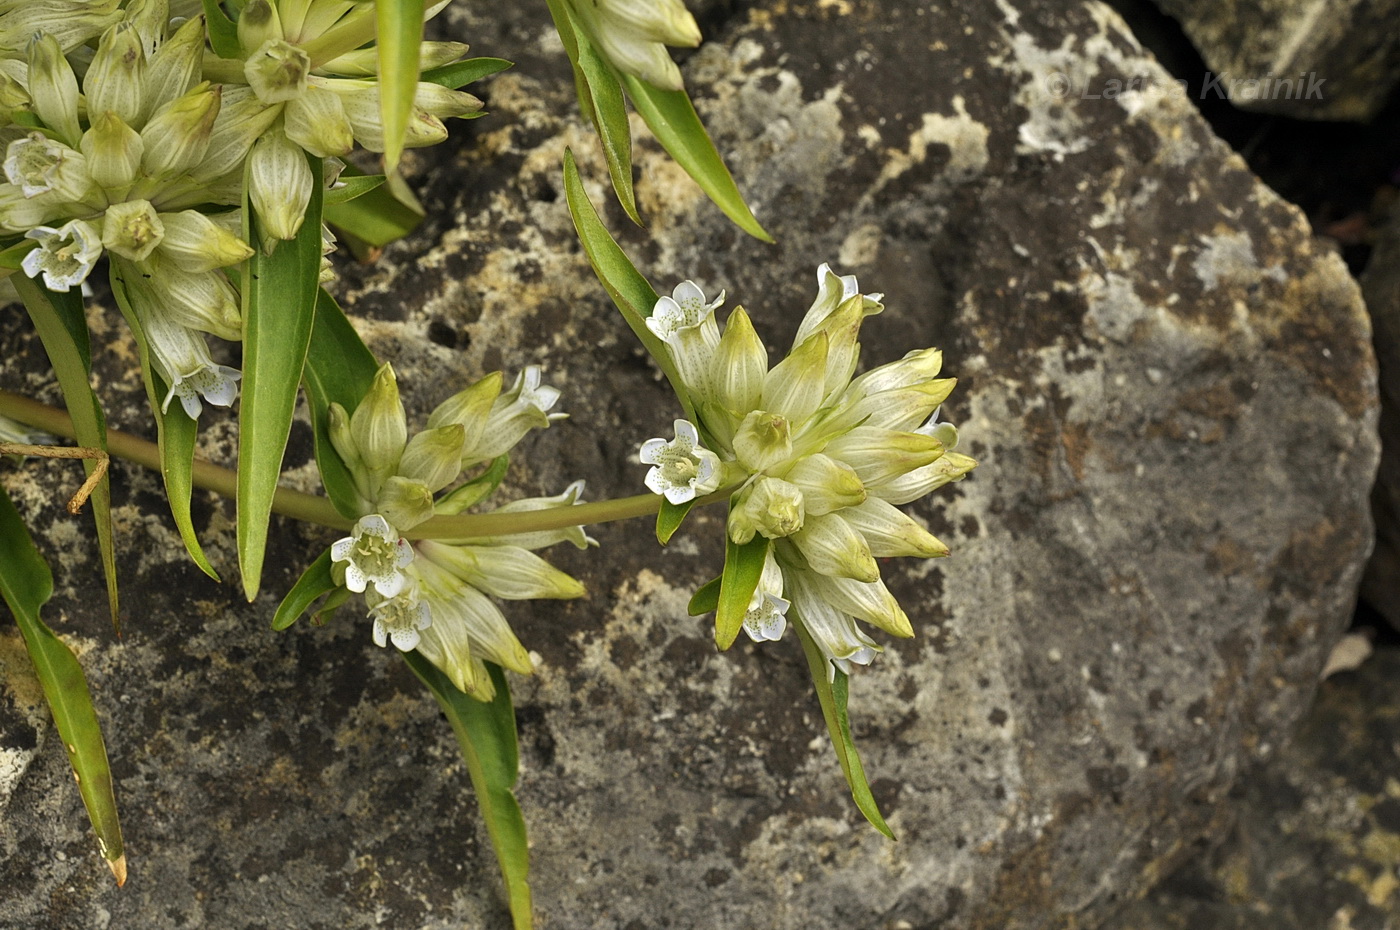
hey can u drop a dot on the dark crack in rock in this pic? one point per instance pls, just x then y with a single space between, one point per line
1169 386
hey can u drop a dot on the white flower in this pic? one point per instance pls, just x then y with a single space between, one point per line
216 384
65 256
400 618
766 618
513 414
685 321
684 309
374 553
37 164
682 470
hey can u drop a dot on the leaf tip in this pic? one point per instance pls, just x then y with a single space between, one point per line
118 867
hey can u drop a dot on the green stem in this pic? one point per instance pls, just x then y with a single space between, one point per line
314 509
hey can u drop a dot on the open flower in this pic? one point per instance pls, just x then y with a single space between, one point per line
399 619
373 553
681 469
685 321
65 256
766 618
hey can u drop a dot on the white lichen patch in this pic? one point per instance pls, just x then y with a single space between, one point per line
964 137
1228 258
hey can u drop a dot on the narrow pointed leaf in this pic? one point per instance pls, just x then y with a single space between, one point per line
279 306
563 24
473 492
351 188
26 585
743 566
461 73
339 369
705 599
832 696
12 258
62 329
609 114
223 33
313 583
487 737
375 218
670 517
677 127
399 35
176 432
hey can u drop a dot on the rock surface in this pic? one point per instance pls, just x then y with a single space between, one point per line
1341 58
1317 841
1381 283
1170 389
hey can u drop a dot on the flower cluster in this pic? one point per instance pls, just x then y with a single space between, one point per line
436 595
822 460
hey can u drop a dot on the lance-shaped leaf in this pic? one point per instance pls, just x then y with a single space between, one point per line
313 583
461 73
27 584
487 737
376 218
608 111
223 32
399 38
832 696
670 517
743 567
470 493
62 329
339 369
279 306
352 188
176 431
705 598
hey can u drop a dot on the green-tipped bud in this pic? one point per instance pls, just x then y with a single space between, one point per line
196 300
903 488
361 102
379 426
338 429
902 408
832 547
149 18
444 102
919 365
277 71
316 121
868 601
890 532
53 88
177 135
115 79
242 120
738 367
763 440
634 35
434 456
113 151
175 66
258 24
132 229
364 62
879 455
196 243
405 503
826 484
469 407
13 96
795 387
69 24
508 572
771 507
280 184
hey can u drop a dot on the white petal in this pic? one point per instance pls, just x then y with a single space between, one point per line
403 553
340 549
381 635
406 640
388 585
355 579
375 525
679 495
654 482
650 449
190 401
686 430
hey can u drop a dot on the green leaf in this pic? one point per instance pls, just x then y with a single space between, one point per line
279 306
487 737
461 73
339 368
12 257
677 127
26 585
399 35
609 114
374 219
330 605
223 33
351 188
623 282
473 492
62 329
563 24
313 583
176 432
670 517
743 566
832 695
705 599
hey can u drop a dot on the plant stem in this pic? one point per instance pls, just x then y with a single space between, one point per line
315 509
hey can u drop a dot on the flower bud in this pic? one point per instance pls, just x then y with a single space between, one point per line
574 535
258 24
795 386
174 67
360 100
364 62
832 547
890 532
404 502
508 572
69 24
203 300
195 243
277 71
740 362
379 426
771 507
834 632
338 430
868 601
53 88
132 229
444 102
763 440
114 81
113 151
280 184
434 456
177 135
633 34
919 365
316 121
523 408
880 455
460 612
826 484
469 407
242 120
910 486
149 18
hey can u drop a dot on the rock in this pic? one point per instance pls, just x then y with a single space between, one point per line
1171 392
1381 282
1317 837
1309 59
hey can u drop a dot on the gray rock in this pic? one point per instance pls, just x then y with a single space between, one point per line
1309 59
1381 584
1317 837
1171 392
